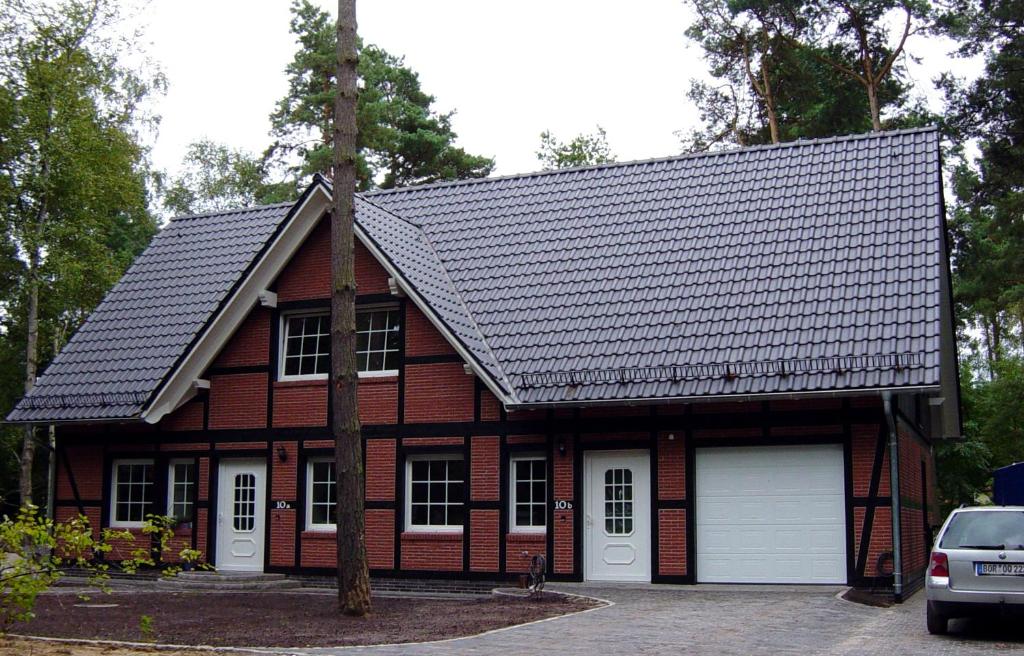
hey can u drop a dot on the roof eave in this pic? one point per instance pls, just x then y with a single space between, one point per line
719 398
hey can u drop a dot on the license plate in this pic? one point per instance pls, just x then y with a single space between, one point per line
999 569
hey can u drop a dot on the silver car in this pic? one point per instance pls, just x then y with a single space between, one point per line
977 566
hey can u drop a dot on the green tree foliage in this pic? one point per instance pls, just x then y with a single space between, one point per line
781 72
581 150
402 140
73 176
988 239
36 550
215 177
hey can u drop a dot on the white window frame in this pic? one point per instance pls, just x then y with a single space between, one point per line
171 482
384 373
433 528
283 344
310 526
513 526
114 522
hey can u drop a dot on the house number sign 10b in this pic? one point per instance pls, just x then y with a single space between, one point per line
562 504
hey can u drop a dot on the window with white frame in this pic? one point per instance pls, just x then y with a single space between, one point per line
181 489
435 493
377 340
132 495
306 343
321 505
529 482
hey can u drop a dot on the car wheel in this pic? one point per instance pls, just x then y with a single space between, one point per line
938 623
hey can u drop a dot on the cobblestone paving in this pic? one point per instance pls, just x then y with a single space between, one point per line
725 621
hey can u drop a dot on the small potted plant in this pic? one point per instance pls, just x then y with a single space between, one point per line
191 559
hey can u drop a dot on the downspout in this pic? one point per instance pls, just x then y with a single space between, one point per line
894 494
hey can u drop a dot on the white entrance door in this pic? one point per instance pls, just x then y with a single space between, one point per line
617 519
240 515
771 514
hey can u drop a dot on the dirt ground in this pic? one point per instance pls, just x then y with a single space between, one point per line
18 647
270 619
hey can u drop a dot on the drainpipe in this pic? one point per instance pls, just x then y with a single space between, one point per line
894 493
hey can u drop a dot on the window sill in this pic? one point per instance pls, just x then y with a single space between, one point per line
378 378
519 535
322 382
432 536
319 533
307 382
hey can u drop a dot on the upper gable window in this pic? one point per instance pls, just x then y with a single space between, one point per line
377 341
306 344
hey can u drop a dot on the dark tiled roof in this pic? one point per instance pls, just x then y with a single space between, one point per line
810 266
133 339
807 267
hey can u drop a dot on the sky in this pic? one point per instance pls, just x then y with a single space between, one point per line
510 70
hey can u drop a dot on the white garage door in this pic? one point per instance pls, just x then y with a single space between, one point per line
771 514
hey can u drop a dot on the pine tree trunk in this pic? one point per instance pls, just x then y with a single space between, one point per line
28 447
876 121
353 574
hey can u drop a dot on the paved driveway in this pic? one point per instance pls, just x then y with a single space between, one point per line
725 620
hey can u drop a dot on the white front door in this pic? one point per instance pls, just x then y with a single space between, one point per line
771 514
240 514
617 519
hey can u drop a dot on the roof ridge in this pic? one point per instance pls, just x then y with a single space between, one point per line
654 160
235 210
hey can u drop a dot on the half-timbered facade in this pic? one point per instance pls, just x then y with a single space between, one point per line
719 368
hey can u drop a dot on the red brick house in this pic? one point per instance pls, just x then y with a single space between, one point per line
727 367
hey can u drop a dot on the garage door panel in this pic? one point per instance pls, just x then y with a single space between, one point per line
771 514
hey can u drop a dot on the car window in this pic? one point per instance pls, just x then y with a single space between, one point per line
996 529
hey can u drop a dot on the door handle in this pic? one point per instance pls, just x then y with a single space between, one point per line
590 520
220 518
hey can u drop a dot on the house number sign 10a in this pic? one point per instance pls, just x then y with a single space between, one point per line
562 504
282 505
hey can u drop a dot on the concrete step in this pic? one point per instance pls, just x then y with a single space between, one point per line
229 577
226 581
226 584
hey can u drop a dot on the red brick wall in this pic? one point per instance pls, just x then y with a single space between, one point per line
378 400
300 403
483 546
282 535
490 406
238 401
562 520
187 417
438 392
250 345
671 466
485 469
915 537
308 275
520 548
432 551
380 538
319 549
86 464
380 470
672 541
421 338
